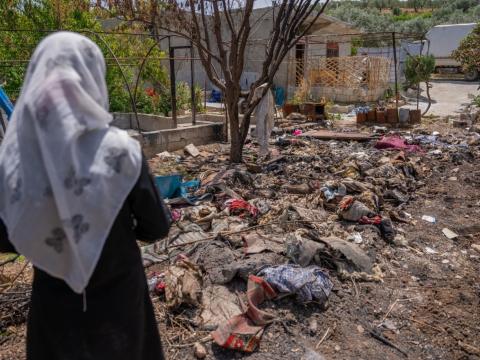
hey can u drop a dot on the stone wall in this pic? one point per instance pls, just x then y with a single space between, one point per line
150 122
147 122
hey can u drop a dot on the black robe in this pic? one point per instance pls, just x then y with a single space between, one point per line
119 321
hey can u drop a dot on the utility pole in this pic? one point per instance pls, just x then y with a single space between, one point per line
192 84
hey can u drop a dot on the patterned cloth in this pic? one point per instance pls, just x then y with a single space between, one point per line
64 172
308 283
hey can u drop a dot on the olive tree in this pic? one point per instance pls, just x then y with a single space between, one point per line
418 69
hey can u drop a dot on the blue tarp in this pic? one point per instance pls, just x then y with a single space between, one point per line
279 96
216 96
5 103
171 186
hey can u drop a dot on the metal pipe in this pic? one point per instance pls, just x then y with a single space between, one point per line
192 85
173 90
140 73
143 64
134 105
396 70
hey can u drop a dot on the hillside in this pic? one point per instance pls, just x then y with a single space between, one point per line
405 16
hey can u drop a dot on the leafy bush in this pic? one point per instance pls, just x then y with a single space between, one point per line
159 102
419 68
468 53
476 100
16 49
412 16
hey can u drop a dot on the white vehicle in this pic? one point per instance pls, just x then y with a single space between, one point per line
444 39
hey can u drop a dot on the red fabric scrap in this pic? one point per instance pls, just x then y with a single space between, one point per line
346 202
376 220
244 332
160 288
241 207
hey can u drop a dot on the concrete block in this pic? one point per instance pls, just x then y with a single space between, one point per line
176 139
122 120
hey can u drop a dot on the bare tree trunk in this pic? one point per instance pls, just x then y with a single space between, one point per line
236 143
427 84
418 95
245 126
226 123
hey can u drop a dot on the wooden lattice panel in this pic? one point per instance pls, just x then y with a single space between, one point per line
349 71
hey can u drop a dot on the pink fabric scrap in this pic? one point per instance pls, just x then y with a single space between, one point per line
396 142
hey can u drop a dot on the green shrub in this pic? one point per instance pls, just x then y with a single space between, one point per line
419 68
76 16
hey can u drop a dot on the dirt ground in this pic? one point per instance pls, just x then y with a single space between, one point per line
426 305
449 97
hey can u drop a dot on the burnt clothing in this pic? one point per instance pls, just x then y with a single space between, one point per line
114 317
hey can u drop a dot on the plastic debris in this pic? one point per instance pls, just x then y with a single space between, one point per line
331 191
429 219
313 204
449 234
309 283
357 238
353 210
429 250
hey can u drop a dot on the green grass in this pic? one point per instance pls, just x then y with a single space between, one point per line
411 16
476 100
4 257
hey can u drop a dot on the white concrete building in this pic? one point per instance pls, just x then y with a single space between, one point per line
329 37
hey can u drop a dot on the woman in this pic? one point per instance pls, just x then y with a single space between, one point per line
76 193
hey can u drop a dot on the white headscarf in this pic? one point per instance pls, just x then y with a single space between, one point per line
64 173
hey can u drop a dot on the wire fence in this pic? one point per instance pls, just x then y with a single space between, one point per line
141 68
138 74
